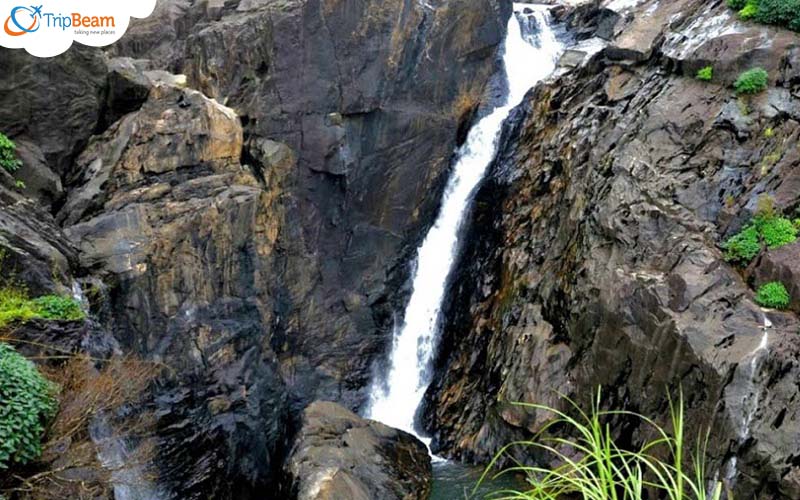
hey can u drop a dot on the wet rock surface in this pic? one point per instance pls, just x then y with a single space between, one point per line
340 455
593 254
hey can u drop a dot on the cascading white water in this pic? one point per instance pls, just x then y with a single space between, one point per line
753 397
395 402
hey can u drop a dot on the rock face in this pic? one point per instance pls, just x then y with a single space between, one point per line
339 455
249 224
595 243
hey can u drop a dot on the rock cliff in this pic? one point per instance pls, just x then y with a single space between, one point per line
239 186
593 254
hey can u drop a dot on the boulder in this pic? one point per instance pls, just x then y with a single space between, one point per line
339 455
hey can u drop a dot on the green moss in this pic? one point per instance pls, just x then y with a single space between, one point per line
773 295
27 402
752 81
16 306
769 132
705 74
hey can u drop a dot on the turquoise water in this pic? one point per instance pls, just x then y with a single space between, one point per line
454 481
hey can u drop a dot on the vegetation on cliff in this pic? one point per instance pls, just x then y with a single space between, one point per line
8 155
784 13
767 229
773 295
27 403
752 81
596 467
15 305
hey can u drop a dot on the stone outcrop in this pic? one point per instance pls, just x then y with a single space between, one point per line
340 455
593 252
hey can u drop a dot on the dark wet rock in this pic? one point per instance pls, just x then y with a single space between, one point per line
40 182
35 252
339 455
54 103
595 243
128 88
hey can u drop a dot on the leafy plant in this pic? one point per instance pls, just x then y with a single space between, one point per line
777 231
784 13
773 295
597 468
705 74
57 307
20 185
27 402
8 154
749 11
769 133
766 228
743 246
752 81
16 306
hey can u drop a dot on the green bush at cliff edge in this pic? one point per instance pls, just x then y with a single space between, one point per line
27 402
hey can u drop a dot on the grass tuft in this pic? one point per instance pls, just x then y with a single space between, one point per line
596 468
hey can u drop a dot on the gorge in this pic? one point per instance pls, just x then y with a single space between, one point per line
334 240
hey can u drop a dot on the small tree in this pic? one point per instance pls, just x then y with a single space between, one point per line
8 154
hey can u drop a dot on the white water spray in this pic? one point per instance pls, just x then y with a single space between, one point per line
395 402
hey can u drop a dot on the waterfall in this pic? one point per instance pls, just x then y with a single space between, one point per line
395 400
129 478
752 399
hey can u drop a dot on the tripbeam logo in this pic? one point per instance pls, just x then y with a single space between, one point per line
49 29
18 28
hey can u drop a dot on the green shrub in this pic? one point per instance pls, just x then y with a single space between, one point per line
749 11
27 402
777 232
57 307
705 74
773 295
16 306
784 13
769 133
743 246
8 154
752 81
595 467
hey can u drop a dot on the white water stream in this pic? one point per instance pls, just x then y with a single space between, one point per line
395 400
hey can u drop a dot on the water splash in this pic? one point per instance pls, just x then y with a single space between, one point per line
395 401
